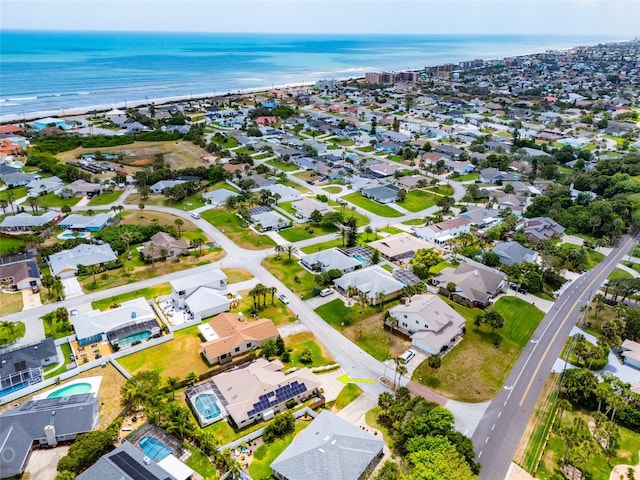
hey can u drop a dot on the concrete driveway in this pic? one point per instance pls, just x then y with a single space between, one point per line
42 462
30 299
72 287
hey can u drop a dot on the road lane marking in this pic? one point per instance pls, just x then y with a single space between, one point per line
487 440
535 373
499 413
480 454
494 426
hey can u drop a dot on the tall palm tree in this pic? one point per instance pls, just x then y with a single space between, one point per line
289 250
152 251
179 223
10 199
278 249
197 243
33 203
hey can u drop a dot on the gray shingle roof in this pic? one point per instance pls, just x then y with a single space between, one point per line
30 356
329 448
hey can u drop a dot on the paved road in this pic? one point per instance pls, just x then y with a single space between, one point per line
498 435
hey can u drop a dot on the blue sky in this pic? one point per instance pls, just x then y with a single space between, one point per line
618 18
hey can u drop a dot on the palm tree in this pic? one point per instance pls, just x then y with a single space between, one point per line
272 291
342 233
402 370
368 230
33 203
152 249
164 252
172 383
278 249
10 199
3 205
289 250
179 223
562 405
197 243
380 296
398 362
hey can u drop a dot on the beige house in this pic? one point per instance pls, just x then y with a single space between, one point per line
230 334
432 324
260 389
165 246
400 247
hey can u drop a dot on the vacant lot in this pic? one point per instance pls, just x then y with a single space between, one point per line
10 302
288 270
231 225
148 293
417 200
178 154
372 206
301 341
105 198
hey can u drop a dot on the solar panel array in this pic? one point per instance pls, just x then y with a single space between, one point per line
276 397
132 468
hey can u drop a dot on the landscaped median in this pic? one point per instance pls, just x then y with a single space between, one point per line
475 370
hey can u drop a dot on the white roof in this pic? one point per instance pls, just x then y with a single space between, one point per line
96 322
217 197
370 281
24 219
83 254
83 221
205 298
197 280
331 259
286 193
207 332
270 219
175 468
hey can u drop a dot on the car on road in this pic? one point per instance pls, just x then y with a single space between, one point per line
196 216
283 298
325 292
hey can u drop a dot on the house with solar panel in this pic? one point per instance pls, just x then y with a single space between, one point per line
257 391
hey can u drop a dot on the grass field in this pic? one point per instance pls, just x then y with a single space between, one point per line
266 453
18 192
174 358
364 329
51 200
372 206
348 394
467 177
285 166
105 198
619 274
475 370
12 332
417 200
298 342
276 311
287 271
231 226
414 221
148 293
10 244
333 190
305 231
235 275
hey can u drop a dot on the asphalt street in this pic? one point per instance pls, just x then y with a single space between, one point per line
498 434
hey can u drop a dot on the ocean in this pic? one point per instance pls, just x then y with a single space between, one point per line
56 73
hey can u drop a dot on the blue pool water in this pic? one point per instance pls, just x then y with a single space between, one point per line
361 259
207 406
154 448
13 388
134 338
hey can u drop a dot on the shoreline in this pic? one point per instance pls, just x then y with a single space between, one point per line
100 108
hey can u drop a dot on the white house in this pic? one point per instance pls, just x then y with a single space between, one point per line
331 259
305 207
631 353
433 325
203 294
439 233
375 283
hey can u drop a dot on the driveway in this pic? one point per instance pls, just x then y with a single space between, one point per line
72 287
30 299
42 462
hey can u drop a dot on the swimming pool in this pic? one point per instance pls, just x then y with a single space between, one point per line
136 337
73 389
13 388
361 259
154 448
207 406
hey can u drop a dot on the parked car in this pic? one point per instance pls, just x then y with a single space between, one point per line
283 298
326 292
407 356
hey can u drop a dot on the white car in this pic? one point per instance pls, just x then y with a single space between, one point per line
196 216
283 298
407 356
326 292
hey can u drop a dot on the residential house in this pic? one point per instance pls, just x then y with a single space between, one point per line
285 193
538 229
382 193
515 203
18 178
48 122
512 253
80 188
162 185
165 246
331 259
631 353
432 324
374 282
395 136
22 367
411 182
64 264
84 223
481 217
126 462
46 423
37 188
440 233
259 390
268 220
400 247
228 335
305 207
330 448
358 183
459 167
475 284
217 198
20 275
134 320
493 175
203 294
382 170
25 222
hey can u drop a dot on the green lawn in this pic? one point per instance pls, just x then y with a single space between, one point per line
287 271
188 203
475 369
266 453
361 220
57 329
417 200
344 142
18 192
467 177
174 358
298 342
392 230
322 246
348 394
307 230
12 332
368 148
231 226
105 198
414 221
338 315
441 189
148 293
199 462
10 244
10 302
441 266
333 190
285 166
619 274
372 206
51 200
66 355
